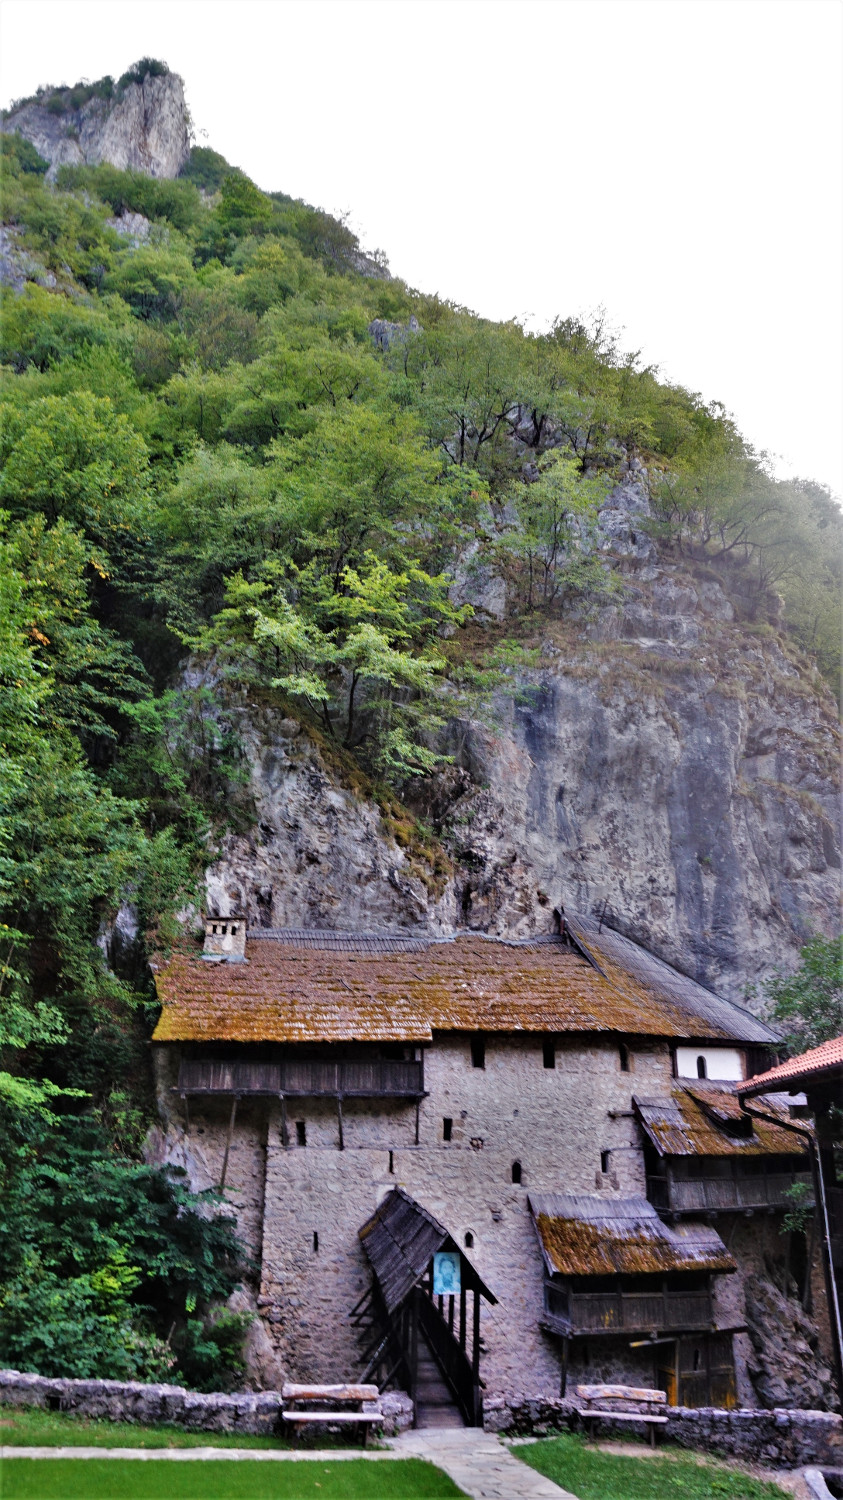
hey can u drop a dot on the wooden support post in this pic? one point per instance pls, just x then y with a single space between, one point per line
186 1103
414 1350
475 1352
451 1316
228 1141
418 1106
462 1316
285 1139
339 1121
563 1374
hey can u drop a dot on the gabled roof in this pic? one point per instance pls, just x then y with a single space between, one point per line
790 1076
701 1120
399 1240
299 986
582 1235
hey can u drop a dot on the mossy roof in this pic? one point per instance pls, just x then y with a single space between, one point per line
332 987
702 1120
581 1235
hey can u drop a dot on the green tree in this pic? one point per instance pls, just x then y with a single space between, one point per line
809 1002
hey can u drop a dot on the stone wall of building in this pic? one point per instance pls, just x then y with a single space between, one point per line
300 1208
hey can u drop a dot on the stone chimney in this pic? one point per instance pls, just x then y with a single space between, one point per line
225 940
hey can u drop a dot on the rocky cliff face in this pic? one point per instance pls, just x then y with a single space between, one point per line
667 764
146 129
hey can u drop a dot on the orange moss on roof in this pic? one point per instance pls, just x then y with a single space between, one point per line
291 993
695 1121
581 1236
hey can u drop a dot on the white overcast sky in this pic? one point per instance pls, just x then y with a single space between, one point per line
678 162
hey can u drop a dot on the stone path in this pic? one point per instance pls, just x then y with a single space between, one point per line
479 1463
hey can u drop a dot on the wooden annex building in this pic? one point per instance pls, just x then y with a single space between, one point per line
471 1165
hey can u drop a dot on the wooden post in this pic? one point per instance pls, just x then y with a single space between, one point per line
339 1121
186 1103
285 1139
462 1315
475 1353
451 1316
563 1374
418 1104
414 1351
228 1141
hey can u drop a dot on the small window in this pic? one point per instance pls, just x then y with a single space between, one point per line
315 1240
213 927
696 1359
702 1067
469 1240
516 1172
549 1054
301 1133
224 928
478 1052
234 930
604 1160
391 1162
623 1053
447 1128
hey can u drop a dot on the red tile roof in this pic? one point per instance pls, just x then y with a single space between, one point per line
797 1070
291 990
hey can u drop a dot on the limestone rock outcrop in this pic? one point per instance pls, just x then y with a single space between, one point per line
667 764
145 128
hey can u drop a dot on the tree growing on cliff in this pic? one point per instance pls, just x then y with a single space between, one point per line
809 1002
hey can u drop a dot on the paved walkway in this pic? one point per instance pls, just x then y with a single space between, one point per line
479 1463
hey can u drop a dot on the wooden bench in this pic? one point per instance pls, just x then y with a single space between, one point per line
331 1406
621 1403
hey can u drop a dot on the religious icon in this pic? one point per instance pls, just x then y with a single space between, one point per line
446 1273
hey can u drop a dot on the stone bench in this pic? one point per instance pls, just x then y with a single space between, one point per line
331 1406
621 1403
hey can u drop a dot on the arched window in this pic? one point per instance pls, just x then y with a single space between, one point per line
516 1171
469 1240
702 1067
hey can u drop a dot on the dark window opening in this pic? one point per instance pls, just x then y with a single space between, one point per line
391 1162
604 1161
315 1239
469 1241
224 929
447 1128
549 1054
696 1359
301 1133
516 1171
702 1068
478 1052
623 1052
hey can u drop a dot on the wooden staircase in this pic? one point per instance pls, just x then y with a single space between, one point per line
435 1406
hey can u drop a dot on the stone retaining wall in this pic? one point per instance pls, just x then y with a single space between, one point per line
133 1401
789 1438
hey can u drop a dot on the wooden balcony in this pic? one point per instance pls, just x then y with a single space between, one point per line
663 1310
762 1190
303 1078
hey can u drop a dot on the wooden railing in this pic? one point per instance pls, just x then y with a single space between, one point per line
306 1078
693 1194
634 1312
453 1361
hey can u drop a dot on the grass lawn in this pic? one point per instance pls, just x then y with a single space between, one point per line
221 1479
32 1426
592 1475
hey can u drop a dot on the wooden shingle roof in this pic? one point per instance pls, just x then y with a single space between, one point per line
332 987
701 1120
581 1235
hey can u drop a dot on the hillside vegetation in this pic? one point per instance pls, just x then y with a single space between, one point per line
208 448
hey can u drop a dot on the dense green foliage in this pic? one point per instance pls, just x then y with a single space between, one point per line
204 449
808 1004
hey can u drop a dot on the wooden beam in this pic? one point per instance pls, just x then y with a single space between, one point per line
228 1141
563 1373
339 1121
418 1106
475 1353
462 1315
285 1139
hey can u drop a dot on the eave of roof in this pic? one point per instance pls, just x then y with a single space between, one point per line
819 1062
580 1235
